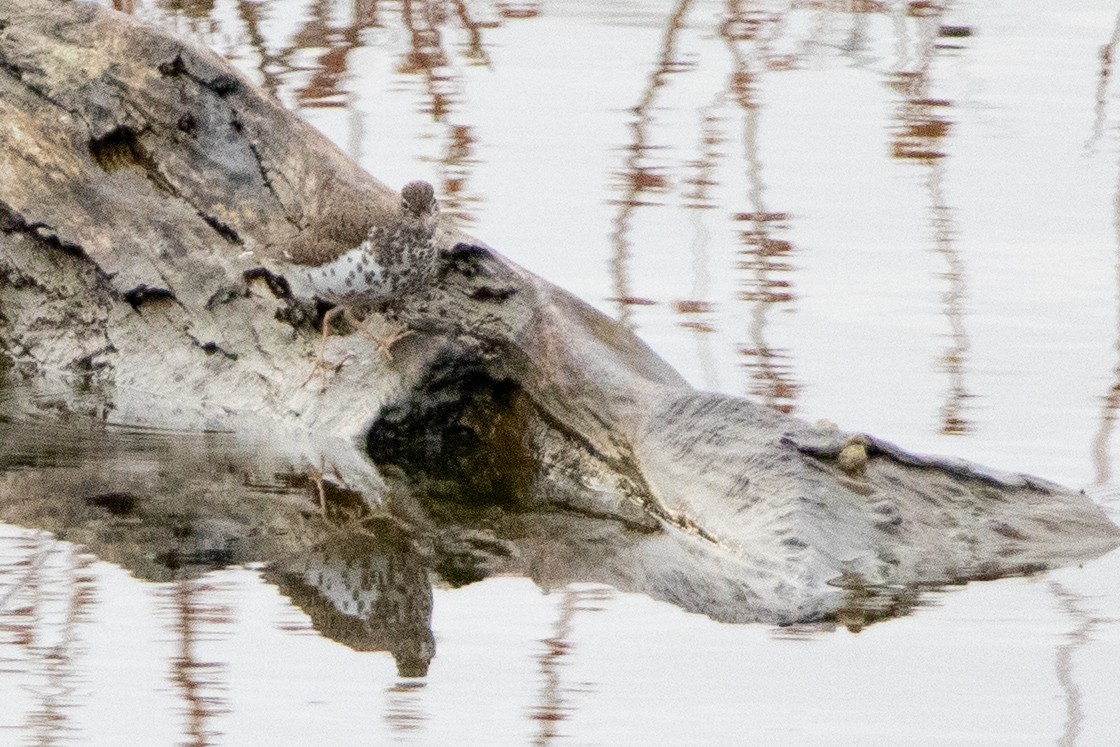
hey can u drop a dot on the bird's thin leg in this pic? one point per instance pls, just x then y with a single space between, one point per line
316 476
321 360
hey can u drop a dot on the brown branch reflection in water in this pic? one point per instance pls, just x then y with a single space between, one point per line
638 178
530 9
326 87
765 257
1110 402
193 607
1108 55
404 710
476 50
250 14
74 591
697 309
41 613
44 719
1072 606
922 127
953 421
553 710
428 59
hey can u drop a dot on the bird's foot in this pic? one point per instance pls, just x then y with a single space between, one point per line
321 368
384 343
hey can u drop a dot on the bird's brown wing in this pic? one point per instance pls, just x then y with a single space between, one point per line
336 228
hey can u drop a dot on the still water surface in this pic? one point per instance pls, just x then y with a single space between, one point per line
900 216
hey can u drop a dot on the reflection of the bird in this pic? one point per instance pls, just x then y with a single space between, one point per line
922 128
366 587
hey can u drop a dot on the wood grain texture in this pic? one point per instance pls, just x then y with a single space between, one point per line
147 196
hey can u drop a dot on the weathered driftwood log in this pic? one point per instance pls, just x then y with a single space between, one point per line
147 192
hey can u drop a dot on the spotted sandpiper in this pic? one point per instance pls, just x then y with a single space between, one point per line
395 258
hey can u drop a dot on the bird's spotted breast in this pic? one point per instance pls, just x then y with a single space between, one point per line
354 273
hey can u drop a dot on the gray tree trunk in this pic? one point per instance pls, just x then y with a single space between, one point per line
146 190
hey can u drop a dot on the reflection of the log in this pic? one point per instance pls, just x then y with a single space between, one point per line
1085 623
558 647
922 128
637 177
176 508
1107 55
194 612
765 257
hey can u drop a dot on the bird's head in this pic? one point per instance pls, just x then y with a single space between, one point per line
418 198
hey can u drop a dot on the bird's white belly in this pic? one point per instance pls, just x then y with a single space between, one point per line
354 273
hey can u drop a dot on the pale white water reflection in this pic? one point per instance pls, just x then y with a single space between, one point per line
1018 662
900 216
